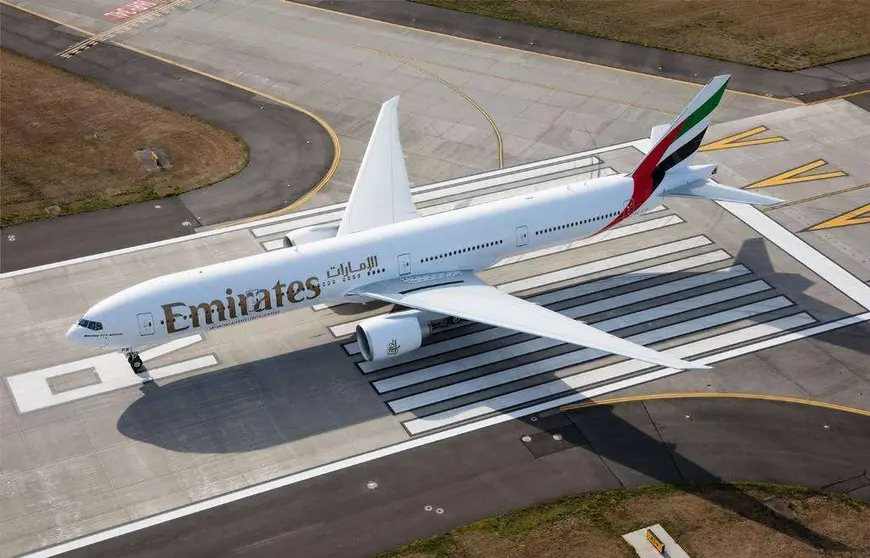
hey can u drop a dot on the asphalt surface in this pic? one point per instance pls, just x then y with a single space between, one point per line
813 84
289 151
493 470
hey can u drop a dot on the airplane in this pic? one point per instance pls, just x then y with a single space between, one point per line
384 250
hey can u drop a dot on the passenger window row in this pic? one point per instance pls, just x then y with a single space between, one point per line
463 251
575 223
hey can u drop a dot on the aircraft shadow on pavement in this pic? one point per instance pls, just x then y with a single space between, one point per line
636 452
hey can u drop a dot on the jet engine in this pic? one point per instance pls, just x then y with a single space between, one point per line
391 335
306 235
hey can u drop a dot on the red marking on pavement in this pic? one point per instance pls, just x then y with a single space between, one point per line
130 9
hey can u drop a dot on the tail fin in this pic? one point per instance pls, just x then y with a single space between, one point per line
680 139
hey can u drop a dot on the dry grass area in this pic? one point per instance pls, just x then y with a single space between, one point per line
68 142
779 34
712 521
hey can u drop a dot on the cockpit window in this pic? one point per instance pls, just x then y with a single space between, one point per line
90 324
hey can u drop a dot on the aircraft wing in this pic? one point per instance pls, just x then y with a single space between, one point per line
381 194
463 295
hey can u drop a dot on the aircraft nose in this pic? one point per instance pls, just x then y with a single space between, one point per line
73 334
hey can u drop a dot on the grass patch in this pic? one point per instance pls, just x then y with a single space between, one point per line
706 520
778 34
69 142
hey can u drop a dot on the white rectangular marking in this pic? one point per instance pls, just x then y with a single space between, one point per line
605 374
578 356
545 299
573 272
32 391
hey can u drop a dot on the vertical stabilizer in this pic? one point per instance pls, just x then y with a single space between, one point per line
682 138
381 193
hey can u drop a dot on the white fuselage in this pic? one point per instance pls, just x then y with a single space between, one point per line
237 291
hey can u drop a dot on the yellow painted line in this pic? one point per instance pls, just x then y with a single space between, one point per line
845 96
858 216
813 198
460 92
793 176
739 140
336 157
553 56
552 88
715 395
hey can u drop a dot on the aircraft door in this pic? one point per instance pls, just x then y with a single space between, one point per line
146 323
522 236
404 264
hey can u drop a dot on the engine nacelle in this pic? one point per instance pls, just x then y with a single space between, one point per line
306 235
391 335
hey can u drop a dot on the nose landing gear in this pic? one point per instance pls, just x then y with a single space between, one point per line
134 361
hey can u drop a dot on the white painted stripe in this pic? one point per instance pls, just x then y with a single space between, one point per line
545 299
400 447
625 230
294 215
167 348
578 356
270 245
32 392
334 218
573 272
182 367
495 355
604 374
823 266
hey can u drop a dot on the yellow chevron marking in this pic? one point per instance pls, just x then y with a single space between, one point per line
858 216
794 176
737 140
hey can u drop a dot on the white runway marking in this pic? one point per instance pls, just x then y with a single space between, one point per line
822 265
32 391
614 371
580 356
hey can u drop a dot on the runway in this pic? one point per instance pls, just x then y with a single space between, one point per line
781 309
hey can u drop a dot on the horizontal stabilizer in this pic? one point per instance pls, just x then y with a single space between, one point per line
712 190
